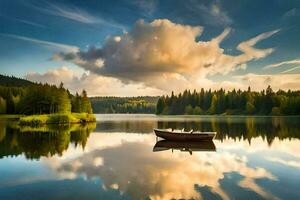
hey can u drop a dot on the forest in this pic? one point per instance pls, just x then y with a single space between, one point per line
14 81
235 102
32 98
146 104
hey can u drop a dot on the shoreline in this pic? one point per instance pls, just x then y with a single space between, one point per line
57 118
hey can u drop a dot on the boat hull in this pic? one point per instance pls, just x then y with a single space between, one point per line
205 136
164 145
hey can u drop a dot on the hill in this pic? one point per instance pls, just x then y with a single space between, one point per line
12 81
142 104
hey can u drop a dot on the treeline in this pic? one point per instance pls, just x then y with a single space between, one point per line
145 104
14 81
235 102
41 99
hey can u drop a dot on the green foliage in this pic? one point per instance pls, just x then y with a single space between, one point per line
60 118
124 104
12 81
189 110
41 99
275 111
42 141
81 103
213 106
235 102
2 106
250 108
63 101
197 110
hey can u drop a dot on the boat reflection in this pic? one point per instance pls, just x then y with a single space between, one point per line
164 145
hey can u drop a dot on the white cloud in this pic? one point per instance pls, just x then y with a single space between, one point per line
290 70
211 14
75 14
165 170
24 21
55 45
147 6
288 62
97 85
277 81
289 163
94 84
161 54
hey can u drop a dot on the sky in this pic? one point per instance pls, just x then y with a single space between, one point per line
152 47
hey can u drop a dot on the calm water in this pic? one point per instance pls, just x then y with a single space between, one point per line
251 158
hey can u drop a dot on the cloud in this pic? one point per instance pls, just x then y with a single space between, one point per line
147 6
277 81
164 170
210 14
75 14
161 53
77 80
57 46
289 70
95 85
294 12
288 62
24 21
30 23
289 163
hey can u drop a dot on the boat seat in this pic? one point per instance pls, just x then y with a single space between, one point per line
191 131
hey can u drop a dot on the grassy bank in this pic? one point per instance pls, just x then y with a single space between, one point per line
63 118
10 116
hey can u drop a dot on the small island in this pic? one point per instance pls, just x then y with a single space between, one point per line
36 104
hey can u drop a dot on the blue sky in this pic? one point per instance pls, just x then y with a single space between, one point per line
32 31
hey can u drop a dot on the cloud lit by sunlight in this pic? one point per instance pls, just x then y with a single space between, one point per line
162 52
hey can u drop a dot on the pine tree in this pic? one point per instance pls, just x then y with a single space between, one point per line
213 106
2 106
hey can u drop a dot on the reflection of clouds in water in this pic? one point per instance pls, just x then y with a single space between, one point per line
285 162
248 182
133 168
290 147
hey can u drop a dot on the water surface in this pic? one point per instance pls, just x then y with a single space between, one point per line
251 158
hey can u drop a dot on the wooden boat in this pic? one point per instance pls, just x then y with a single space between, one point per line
164 145
176 135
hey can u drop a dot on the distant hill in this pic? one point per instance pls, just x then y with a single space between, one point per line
142 104
14 81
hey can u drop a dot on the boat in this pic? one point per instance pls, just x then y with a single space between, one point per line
177 135
164 145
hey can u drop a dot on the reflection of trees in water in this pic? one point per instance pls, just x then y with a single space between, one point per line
42 141
238 128
244 128
130 126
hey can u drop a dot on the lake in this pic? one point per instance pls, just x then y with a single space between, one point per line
119 157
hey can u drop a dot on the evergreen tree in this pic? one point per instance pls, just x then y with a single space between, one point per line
266 102
213 106
2 106
85 103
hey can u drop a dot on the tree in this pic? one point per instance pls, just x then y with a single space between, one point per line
275 111
188 110
197 111
85 103
160 105
76 103
232 102
2 106
213 105
250 108
64 103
